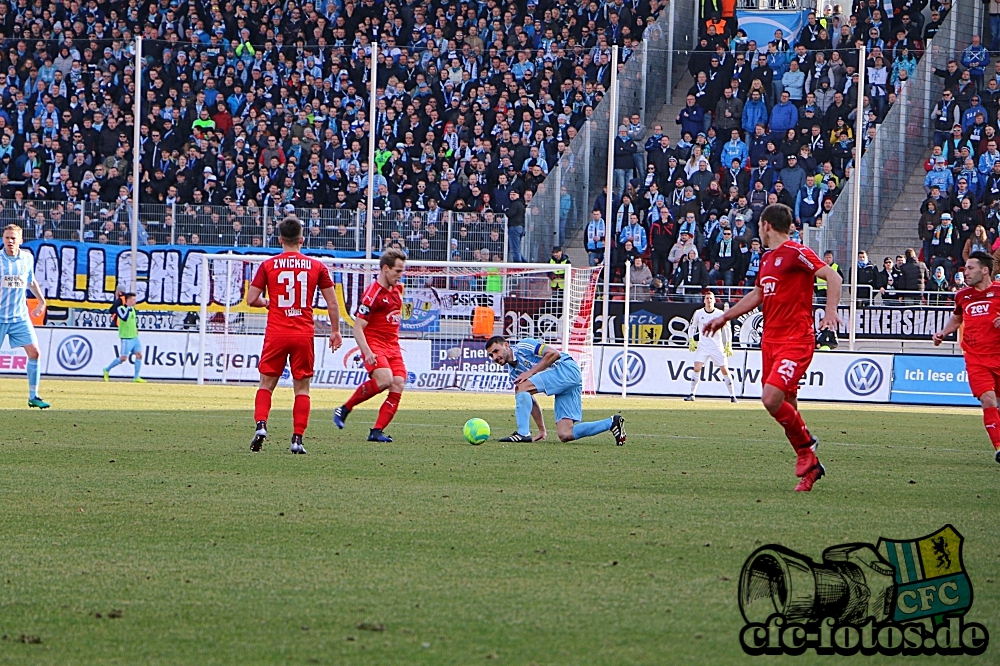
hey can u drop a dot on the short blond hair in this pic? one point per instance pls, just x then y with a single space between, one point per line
14 227
390 257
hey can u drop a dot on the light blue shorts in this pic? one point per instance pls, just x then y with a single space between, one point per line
565 382
18 334
129 346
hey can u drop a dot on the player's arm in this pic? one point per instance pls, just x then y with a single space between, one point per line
536 415
746 304
255 297
330 296
693 329
362 342
834 283
953 325
36 290
548 357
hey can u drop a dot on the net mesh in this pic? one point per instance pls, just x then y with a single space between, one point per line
449 311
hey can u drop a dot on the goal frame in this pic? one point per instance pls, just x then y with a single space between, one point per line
330 262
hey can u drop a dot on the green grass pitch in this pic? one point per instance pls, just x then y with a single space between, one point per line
142 503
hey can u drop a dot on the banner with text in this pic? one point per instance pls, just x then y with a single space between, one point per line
931 380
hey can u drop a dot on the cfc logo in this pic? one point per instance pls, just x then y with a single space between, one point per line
74 353
863 377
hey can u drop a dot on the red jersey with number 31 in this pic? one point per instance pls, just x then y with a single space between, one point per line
786 279
382 309
978 309
290 281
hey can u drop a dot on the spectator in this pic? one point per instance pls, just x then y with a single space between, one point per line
944 245
867 276
625 149
515 226
914 275
975 58
690 277
929 221
979 241
596 233
938 287
726 255
640 273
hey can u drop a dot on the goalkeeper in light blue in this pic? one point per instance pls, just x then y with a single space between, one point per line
535 367
128 338
17 276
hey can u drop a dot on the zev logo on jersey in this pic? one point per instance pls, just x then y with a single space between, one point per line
636 368
977 309
74 353
863 377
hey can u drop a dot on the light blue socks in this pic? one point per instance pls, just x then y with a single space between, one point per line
590 428
33 376
522 412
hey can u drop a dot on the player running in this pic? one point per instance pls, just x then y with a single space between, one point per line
290 281
784 292
128 337
535 367
978 307
17 276
717 347
376 332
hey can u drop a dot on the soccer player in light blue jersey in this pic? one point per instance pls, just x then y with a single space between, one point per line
17 276
535 367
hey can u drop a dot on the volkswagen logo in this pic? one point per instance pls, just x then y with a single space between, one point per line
863 377
74 353
636 368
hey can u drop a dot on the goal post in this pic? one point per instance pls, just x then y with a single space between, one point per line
449 310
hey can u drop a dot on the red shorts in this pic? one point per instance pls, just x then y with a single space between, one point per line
783 365
984 374
392 360
299 351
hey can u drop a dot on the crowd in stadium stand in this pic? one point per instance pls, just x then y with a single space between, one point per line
257 104
776 122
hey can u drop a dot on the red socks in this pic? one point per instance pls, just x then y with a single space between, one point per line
795 427
300 414
362 393
388 410
991 419
261 405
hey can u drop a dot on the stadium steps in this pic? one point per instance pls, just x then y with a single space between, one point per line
576 247
899 229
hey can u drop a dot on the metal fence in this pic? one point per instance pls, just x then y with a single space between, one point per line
901 140
561 207
432 235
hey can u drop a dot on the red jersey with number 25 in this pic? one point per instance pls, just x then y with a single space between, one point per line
786 279
978 309
290 281
382 309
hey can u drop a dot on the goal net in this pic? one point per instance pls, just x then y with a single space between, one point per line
449 310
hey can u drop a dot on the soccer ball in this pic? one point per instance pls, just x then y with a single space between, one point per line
476 431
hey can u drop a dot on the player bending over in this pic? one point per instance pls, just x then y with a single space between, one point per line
717 347
784 293
978 307
290 281
376 332
17 276
128 338
535 367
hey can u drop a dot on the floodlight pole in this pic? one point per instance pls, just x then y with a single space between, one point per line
136 161
373 100
609 192
856 212
626 329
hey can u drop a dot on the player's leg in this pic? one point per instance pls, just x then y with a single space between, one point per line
273 358
695 380
137 362
570 425
303 359
985 382
22 334
782 374
727 376
522 410
388 409
379 379
118 360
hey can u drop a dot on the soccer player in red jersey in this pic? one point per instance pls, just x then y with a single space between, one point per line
290 281
977 306
376 332
784 292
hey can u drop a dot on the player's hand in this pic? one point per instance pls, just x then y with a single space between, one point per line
523 377
728 350
371 359
336 340
714 325
829 322
540 436
692 344
39 309
939 336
